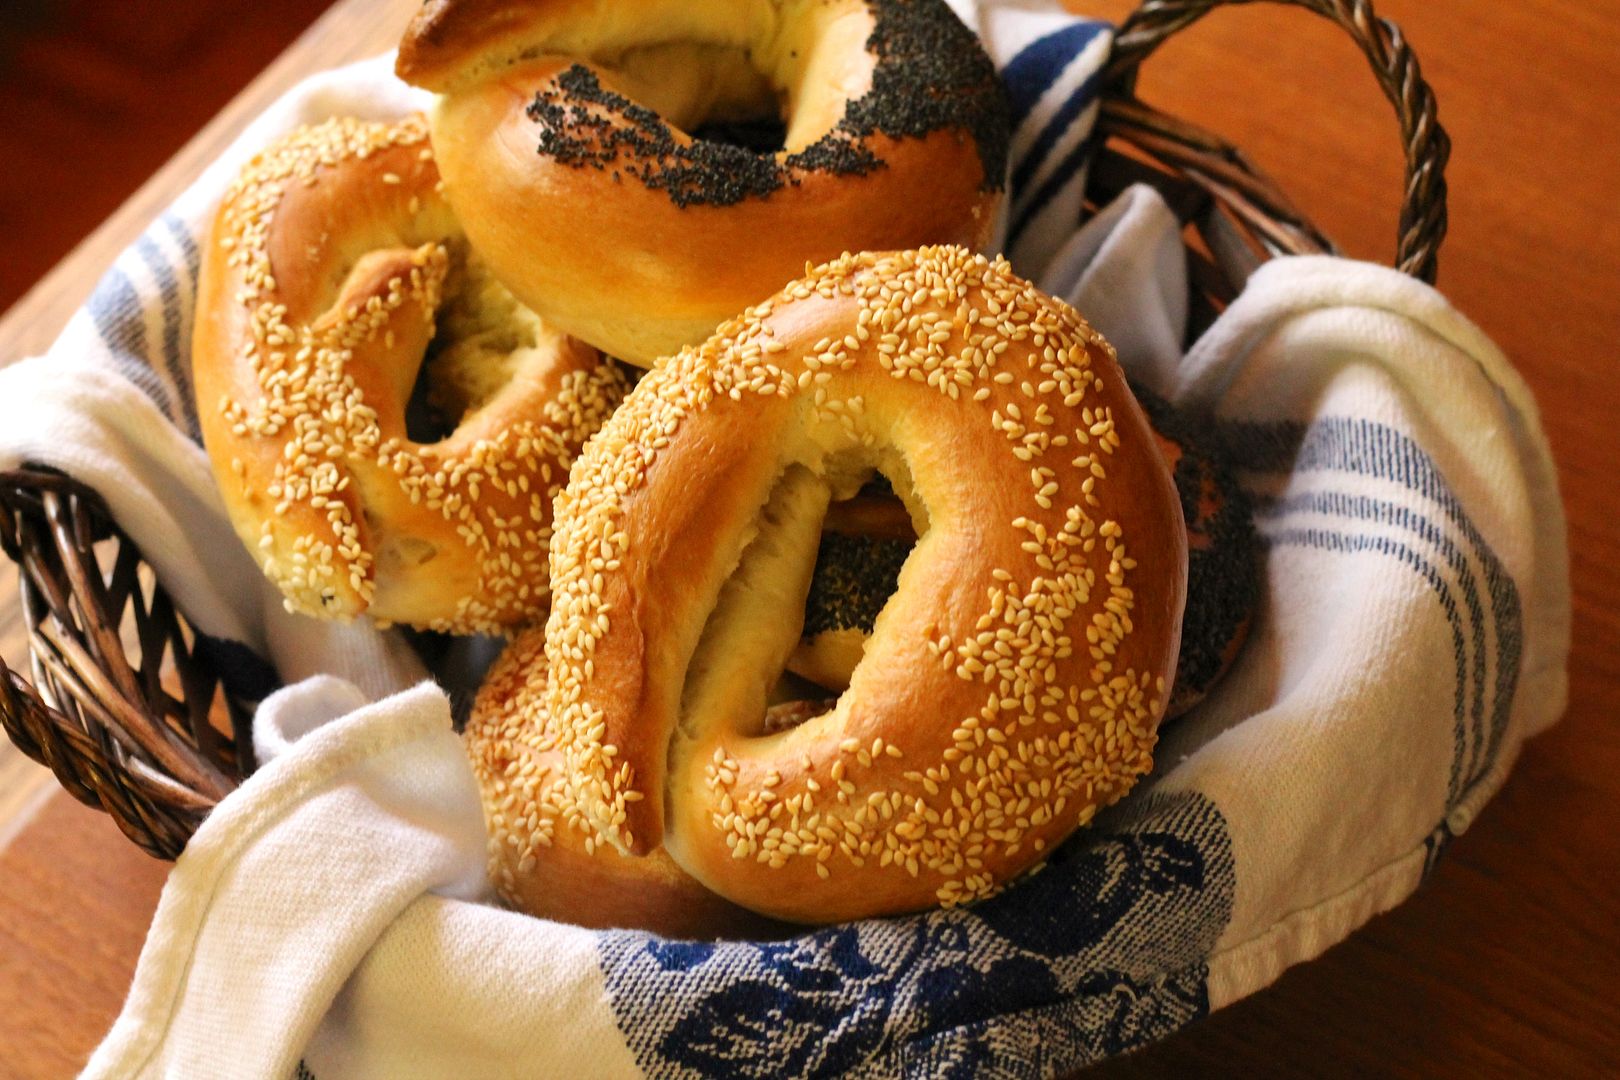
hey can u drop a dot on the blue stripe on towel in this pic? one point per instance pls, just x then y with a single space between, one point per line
1066 173
115 308
188 244
175 365
1037 66
1026 168
1368 448
1029 77
1434 846
1381 512
1358 543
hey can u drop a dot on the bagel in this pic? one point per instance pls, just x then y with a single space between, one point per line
565 133
1223 552
865 542
1012 685
330 257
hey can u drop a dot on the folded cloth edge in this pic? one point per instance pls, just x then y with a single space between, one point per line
313 763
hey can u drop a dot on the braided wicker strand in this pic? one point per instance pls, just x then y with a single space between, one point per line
1426 145
120 707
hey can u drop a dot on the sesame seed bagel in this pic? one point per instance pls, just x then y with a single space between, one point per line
1011 686
567 127
333 261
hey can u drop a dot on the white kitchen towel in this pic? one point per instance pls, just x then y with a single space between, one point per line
1413 631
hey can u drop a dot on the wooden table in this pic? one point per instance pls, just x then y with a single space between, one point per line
1508 962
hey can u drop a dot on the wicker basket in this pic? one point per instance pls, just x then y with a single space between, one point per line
124 706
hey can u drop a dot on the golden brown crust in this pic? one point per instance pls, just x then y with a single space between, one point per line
452 43
549 867
549 149
328 260
1012 686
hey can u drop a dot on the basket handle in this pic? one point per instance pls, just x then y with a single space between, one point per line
1423 212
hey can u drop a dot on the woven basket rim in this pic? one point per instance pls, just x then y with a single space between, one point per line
156 757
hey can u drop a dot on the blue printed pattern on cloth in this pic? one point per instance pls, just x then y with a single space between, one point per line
1100 951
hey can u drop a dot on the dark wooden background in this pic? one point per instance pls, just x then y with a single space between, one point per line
1508 962
96 94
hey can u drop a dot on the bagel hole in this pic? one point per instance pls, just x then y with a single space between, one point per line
794 700
479 331
759 135
812 560
426 422
866 541
715 93
736 668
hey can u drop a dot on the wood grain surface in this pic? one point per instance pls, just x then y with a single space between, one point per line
1508 962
